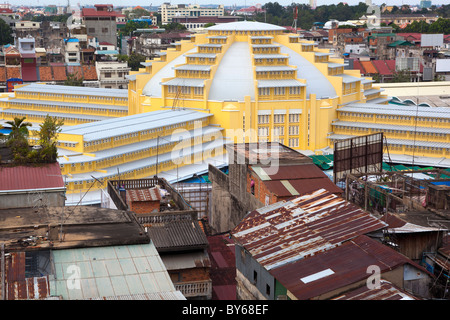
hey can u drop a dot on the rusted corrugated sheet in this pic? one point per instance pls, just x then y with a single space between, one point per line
150 194
31 177
20 288
302 186
302 227
386 291
346 265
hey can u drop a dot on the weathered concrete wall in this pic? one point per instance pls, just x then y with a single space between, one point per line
30 199
230 201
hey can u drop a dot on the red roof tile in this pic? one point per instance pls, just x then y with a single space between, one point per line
89 73
31 177
391 65
382 68
13 72
59 73
45 74
368 66
75 70
357 66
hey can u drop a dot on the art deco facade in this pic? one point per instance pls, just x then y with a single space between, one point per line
241 82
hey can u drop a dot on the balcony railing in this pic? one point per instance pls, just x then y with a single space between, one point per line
195 289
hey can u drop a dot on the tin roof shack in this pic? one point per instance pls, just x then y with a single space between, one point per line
144 201
31 186
425 190
278 235
414 234
386 291
317 246
120 272
438 263
107 248
260 174
174 229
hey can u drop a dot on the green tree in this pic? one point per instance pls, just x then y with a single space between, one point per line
132 26
47 139
19 128
5 33
134 61
17 139
73 80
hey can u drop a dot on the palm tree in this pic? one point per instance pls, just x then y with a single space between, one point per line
19 128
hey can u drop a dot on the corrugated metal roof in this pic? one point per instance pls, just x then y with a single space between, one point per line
275 68
400 142
84 91
134 123
44 176
66 104
197 67
289 231
188 82
17 286
294 180
179 234
346 264
113 271
150 194
391 109
25 112
386 291
390 127
170 295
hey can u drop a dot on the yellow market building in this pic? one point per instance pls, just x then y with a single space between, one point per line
239 81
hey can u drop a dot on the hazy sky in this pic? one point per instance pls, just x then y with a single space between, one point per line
201 2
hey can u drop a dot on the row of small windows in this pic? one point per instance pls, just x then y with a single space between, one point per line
278 118
185 90
394 117
279 91
69 108
70 96
269 60
278 131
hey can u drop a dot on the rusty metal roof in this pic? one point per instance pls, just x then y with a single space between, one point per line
293 180
17 286
43 176
289 231
386 291
334 269
150 194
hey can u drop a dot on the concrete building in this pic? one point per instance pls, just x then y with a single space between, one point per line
112 74
168 11
260 175
101 22
72 51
